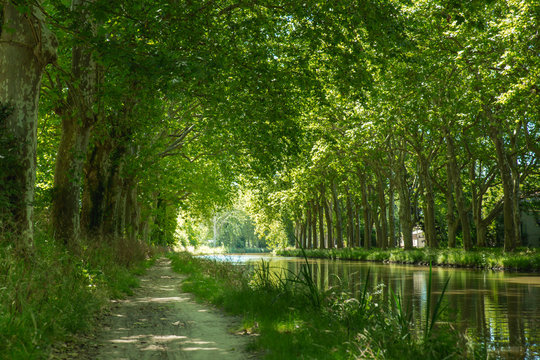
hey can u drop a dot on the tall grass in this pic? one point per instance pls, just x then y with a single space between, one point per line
57 294
295 319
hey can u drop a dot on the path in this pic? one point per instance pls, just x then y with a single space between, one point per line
162 322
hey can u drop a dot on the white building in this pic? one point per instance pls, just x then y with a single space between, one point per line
418 238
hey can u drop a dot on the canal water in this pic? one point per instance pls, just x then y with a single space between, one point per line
500 309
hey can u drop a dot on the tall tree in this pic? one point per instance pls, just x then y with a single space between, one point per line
26 47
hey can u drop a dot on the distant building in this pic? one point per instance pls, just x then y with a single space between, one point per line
530 222
418 238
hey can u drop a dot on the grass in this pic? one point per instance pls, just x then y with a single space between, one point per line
57 294
524 259
293 319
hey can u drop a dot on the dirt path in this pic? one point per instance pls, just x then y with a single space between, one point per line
162 322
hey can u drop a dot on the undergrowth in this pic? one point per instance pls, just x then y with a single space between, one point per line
56 294
293 319
523 259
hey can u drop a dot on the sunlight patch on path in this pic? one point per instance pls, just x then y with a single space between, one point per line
162 322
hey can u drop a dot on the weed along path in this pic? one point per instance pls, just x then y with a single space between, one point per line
160 321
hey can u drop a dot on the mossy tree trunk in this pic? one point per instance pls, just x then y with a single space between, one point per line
26 47
78 118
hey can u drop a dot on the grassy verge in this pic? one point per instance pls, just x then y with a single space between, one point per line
294 319
523 259
56 294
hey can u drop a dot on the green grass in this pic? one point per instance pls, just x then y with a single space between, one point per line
522 259
56 294
296 320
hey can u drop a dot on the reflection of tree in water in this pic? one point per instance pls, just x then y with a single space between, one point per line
484 305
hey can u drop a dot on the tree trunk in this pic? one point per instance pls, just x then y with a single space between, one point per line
357 231
458 190
309 227
382 215
405 218
378 231
114 203
429 204
391 216
508 189
67 181
25 49
320 208
329 224
314 224
337 208
303 242
350 219
94 196
133 213
516 193
78 119
365 211
451 222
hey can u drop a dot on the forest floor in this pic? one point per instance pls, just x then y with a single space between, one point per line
160 321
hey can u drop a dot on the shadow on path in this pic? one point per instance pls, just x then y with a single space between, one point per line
162 322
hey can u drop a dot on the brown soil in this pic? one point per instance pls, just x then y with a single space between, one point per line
162 322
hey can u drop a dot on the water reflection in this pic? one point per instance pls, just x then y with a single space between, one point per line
498 308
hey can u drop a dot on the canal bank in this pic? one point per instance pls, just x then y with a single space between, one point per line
497 310
490 259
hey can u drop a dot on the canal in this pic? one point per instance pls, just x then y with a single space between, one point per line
499 309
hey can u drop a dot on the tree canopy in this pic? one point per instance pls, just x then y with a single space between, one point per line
349 124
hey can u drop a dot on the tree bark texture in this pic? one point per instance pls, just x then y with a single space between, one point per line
405 217
429 203
337 208
508 189
26 47
320 208
329 223
95 181
365 211
309 227
458 190
451 221
314 213
382 212
391 218
350 219
78 119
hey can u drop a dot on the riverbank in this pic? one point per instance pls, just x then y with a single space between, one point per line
494 259
291 318
220 250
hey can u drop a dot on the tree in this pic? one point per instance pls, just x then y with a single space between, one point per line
26 47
